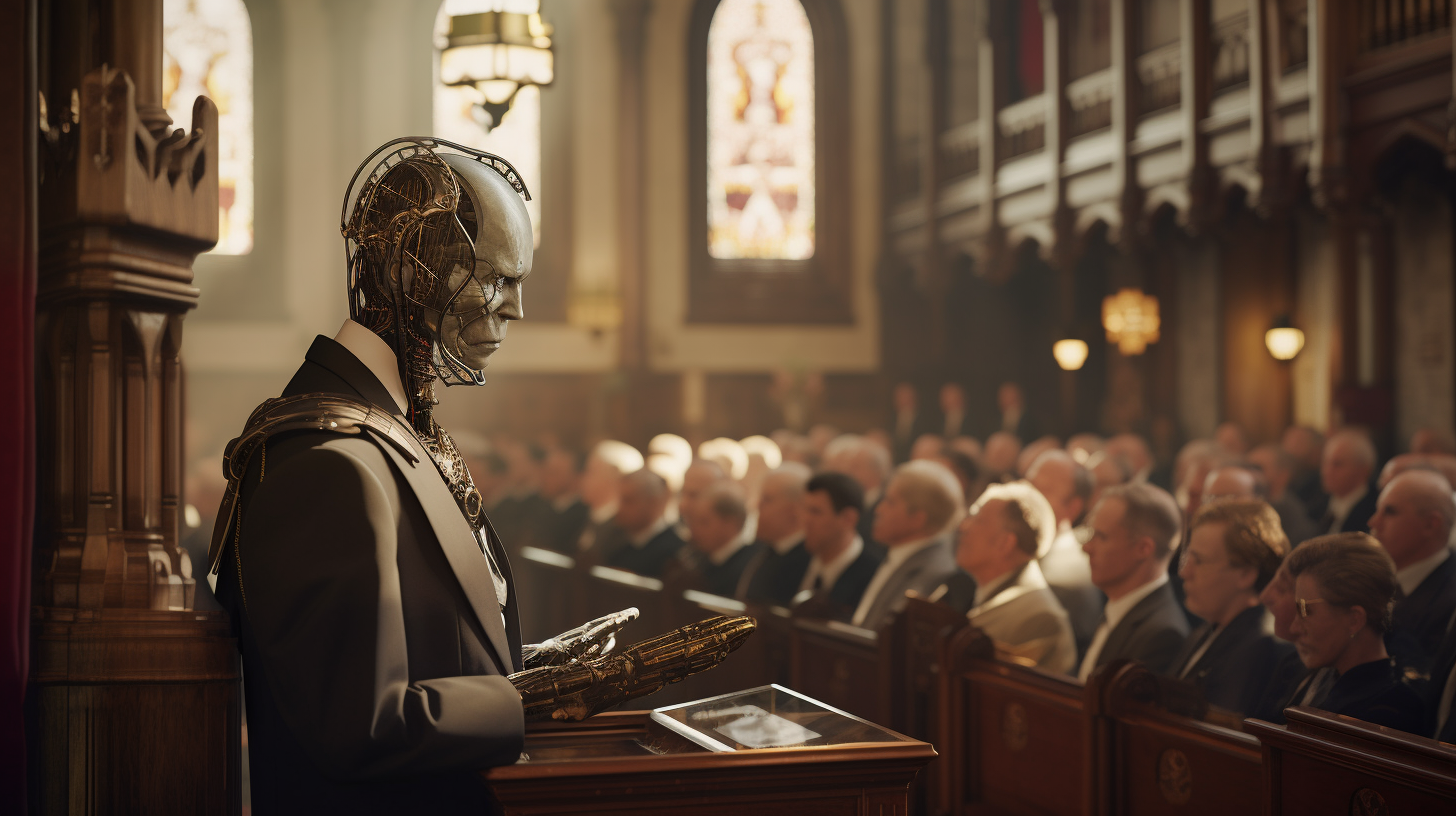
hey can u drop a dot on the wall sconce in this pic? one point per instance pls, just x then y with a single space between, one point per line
1131 320
1070 353
1283 340
498 52
598 309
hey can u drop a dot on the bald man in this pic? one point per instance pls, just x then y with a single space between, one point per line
1413 520
648 541
1067 486
1345 471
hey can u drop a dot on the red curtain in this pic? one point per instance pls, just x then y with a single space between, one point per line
1030 65
17 415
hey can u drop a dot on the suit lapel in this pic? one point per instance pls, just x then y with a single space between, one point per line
460 548
454 534
1118 638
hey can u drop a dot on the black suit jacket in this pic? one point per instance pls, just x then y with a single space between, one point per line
774 578
960 592
563 528
374 647
722 579
1376 693
1236 667
1151 633
1358 519
1419 622
650 559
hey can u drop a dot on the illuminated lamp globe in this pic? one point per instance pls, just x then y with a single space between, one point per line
1070 353
1283 340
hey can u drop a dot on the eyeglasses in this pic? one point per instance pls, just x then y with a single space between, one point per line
1303 604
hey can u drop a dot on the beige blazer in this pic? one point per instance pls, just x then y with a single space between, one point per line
1025 619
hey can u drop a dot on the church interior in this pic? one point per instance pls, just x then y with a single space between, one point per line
971 406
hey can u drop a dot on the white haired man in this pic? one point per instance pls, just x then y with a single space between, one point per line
922 503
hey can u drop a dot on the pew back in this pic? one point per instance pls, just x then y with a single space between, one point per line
1325 763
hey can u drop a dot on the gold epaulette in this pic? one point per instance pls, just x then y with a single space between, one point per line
335 413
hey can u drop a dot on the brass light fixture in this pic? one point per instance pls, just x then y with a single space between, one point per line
1131 320
1283 340
1070 353
498 51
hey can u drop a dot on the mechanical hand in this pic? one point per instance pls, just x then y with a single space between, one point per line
591 639
580 689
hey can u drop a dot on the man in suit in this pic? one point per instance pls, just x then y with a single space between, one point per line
1135 529
908 422
953 411
601 489
841 566
867 463
1441 700
646 542
922 503
561 529
1015 420
776 571
371 598
1234 549
999 541
1277 468
1413 520
722 550
1345 473
1306 447
1067 487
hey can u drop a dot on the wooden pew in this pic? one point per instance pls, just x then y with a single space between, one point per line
606 590
1014 739
1162 750
840 665
548 586
1326 763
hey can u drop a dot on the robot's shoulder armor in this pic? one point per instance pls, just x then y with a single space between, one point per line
332 413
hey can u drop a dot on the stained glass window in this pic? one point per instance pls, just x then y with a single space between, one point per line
207 50
459 117
760 131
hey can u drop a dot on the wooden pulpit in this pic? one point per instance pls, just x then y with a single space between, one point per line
764 751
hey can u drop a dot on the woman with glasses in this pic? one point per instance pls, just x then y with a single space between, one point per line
1344 588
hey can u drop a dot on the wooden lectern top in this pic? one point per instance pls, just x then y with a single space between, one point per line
632 762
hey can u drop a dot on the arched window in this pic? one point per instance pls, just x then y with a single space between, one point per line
760 131
769 162
207 50
459 117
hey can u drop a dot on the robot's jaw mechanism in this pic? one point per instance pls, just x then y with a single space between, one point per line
427 223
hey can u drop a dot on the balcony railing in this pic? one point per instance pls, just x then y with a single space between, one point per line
960 151
1230 48
1383 23
1022 126
1161 75
1089 103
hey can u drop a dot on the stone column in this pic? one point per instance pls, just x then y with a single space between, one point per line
136 694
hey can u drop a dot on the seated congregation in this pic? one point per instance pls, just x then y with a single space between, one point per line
1283 576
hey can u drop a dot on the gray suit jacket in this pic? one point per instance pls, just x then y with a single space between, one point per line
921 573
1070 578
1025 618
374 647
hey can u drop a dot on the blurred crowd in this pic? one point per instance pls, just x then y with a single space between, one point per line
1301 572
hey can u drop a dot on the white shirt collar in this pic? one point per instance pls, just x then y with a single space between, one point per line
377 356
788 542
1340 506
640 540
831 571
604 514
1413 574
985 593
720 556
900 553
1116 610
